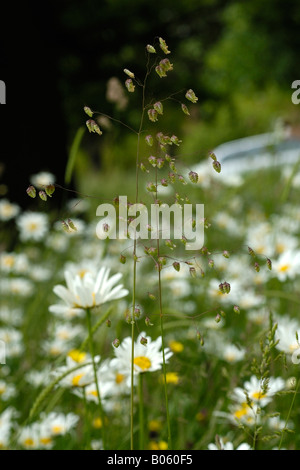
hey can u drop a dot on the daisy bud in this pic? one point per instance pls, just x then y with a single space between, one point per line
193 176
152 115
43 195
130 74
190 95
149 140
116 343
163 46
50 189
256 267
176 266
160 71
88 111
129 85
185 109
226 254
269 264
236 309
122 259
152 160
31 191
148 322
108 323
150 49
72 225
224 287
143 341
158 107
217 166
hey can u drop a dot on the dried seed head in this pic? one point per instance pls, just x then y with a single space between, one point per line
122 259
185 109
163 46
176 266
224 287
130 85
143 341
130 74
217 166
193 176
158 107
150 49
43 195
149 140
236 309
190 95
152 115
88 111
116 343
50 188
31 191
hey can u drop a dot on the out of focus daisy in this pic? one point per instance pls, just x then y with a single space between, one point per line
287 266
81 377
42 179
8 210
60 423
32 226
287 331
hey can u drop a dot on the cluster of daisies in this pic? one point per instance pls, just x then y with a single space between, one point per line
55 277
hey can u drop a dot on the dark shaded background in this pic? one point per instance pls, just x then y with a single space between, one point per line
57 56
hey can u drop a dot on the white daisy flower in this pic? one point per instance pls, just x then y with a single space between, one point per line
287 266
8 210
147 358
256 392
59 424
81 377
228 446
90 291
42 179
16 286
7 391
286 333
28 437
32 226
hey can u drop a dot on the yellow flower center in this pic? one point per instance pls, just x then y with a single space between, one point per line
176 346
28 442
82 273
284 268
76 380
119 378
32 226
77 355
93 392
46 440
9 261
241 412
142 362
258 395
97 423
57 429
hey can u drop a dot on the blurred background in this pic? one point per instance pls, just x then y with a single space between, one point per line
240 58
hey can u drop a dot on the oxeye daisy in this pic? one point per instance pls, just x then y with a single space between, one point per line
286 334
42 179
287 265
8 210
59 423
89 291
147 358
32 226
258 391
226 445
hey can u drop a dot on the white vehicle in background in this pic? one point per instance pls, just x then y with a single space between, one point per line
280 147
